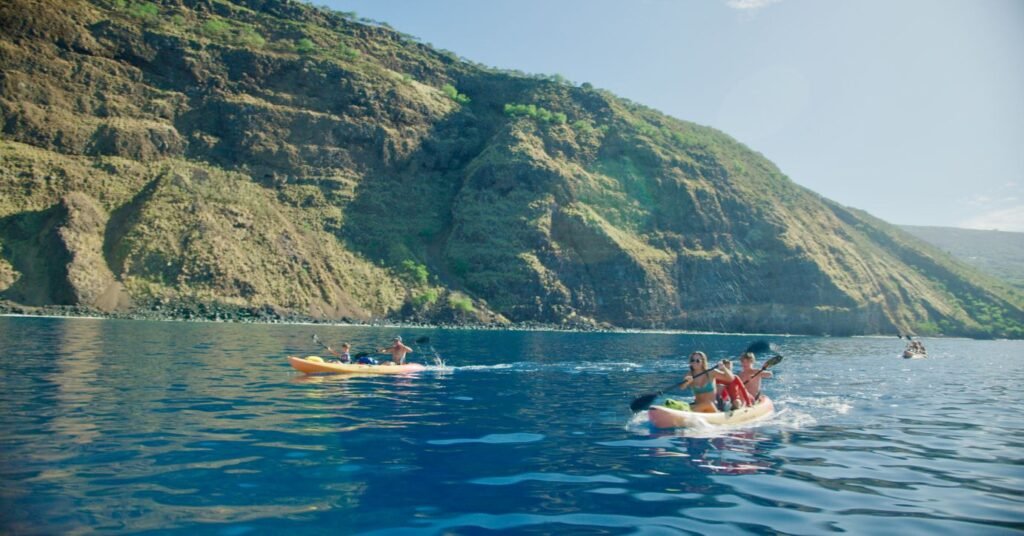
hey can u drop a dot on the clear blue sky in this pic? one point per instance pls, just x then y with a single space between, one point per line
912 110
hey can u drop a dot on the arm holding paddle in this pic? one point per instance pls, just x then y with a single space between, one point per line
751 378
644 401
329 349
397 351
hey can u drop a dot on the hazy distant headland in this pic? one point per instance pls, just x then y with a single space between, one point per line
999 253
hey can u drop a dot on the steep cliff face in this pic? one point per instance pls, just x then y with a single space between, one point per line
266 155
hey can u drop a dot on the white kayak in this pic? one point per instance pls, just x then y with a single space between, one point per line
315 364
662 417
907 354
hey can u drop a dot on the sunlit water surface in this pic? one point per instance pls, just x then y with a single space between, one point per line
202 428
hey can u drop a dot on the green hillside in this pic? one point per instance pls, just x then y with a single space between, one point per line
265 157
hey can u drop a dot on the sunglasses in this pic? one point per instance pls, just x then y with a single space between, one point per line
696 361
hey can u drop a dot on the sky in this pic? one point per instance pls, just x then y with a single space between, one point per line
911 110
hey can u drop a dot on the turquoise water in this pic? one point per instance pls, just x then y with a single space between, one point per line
119 426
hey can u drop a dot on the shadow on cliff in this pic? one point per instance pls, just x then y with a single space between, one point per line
33 247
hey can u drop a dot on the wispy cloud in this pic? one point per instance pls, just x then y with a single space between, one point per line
997 209
1003 219
750 5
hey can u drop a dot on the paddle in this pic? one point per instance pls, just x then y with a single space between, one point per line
437 358
644 401
758 347
328 348
770 363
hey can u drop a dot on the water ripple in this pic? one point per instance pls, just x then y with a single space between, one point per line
547 477
492 439
188 429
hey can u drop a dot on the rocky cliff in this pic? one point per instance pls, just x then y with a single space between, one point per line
271 157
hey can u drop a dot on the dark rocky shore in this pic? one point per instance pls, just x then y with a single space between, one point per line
268 315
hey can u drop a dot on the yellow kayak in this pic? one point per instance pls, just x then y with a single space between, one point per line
662 417
315 364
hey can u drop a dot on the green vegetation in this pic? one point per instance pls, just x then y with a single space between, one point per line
215 28
147 12
248 37
345 52
454 94
414 272
583 126
425 299
461 304
535 112
305 46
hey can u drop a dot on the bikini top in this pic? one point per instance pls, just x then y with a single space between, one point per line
708 387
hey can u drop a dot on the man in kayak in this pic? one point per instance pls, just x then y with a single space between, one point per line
397 351
751 379
704 386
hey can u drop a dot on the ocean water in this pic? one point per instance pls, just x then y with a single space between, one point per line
203 428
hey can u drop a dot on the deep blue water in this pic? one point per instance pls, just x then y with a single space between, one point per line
202 428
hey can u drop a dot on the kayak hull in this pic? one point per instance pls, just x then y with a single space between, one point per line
313 367
662 417
913 355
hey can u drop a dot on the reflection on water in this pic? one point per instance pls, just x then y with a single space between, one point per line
135 426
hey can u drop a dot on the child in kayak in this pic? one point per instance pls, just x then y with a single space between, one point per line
345 356
751 379
733 392
397 351
704 386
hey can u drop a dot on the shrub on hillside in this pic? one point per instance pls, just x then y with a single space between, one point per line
536 112
461 304
305 46
454 94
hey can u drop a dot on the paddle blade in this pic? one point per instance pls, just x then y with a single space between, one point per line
758 347
422 340
643 402
772 362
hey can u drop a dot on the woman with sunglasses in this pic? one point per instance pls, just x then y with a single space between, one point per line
702 382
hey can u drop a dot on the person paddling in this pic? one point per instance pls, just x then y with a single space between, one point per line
397 351
345 356
751 379
704 386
